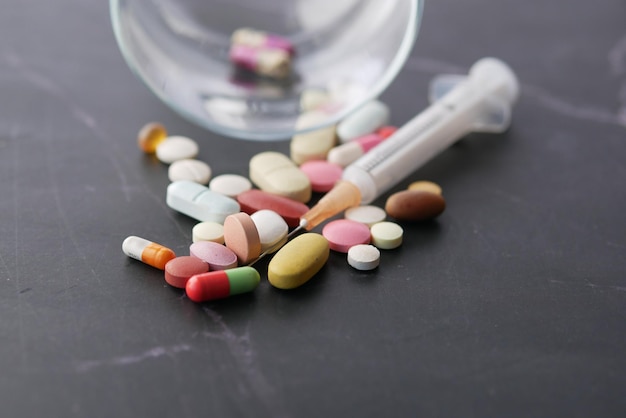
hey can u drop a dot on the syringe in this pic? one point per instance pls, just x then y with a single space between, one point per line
479 102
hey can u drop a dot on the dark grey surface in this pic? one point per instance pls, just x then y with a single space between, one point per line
512 304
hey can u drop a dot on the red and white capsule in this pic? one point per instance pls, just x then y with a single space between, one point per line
268 62
259 39
346 153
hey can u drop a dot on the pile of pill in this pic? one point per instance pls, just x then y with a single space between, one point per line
241 219
261 53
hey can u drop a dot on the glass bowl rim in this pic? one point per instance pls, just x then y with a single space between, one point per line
375 90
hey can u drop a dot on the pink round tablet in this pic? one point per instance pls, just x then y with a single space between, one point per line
178 270
322 174
216 255
343 234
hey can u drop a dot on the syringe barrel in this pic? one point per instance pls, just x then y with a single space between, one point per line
409 148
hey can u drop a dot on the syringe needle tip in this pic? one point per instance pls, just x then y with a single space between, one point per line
296 230
341 197
277 246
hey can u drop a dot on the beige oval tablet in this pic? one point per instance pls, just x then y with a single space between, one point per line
313 98
208 231
387 235
231 185
189 169
175 148
425 186
312 145
298 261
275 173
366 214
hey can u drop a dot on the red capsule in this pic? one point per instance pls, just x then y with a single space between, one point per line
255 200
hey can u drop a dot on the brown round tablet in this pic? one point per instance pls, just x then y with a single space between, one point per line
242 237
415 205
180 269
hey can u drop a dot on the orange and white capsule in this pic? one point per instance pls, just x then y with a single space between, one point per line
148 252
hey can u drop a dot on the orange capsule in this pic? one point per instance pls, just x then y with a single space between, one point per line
148 252
151 135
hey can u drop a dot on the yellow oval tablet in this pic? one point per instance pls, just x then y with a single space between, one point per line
298 261
275 173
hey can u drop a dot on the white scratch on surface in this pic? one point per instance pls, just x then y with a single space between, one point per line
78 113
582 112
126 360
615 244
89 121
85 118
617 57
598 286
590 285
617 63
16 239
240 348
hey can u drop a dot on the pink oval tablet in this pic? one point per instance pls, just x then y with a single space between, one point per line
216 255
343 234
242 237
180 269
322 174
255 200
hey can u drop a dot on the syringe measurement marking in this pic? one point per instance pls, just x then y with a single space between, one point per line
380 157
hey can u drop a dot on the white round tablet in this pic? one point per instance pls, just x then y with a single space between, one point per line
189 169
176 148
364 257
386 235
366 214
230 185
271 226
208 231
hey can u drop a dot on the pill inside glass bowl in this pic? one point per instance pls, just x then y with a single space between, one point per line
347 51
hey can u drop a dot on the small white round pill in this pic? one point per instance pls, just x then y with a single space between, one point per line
271 227
230 185
189 169
366 214
386 235
208 231
364 257
176 148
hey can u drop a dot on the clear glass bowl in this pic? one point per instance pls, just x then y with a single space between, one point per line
350 49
